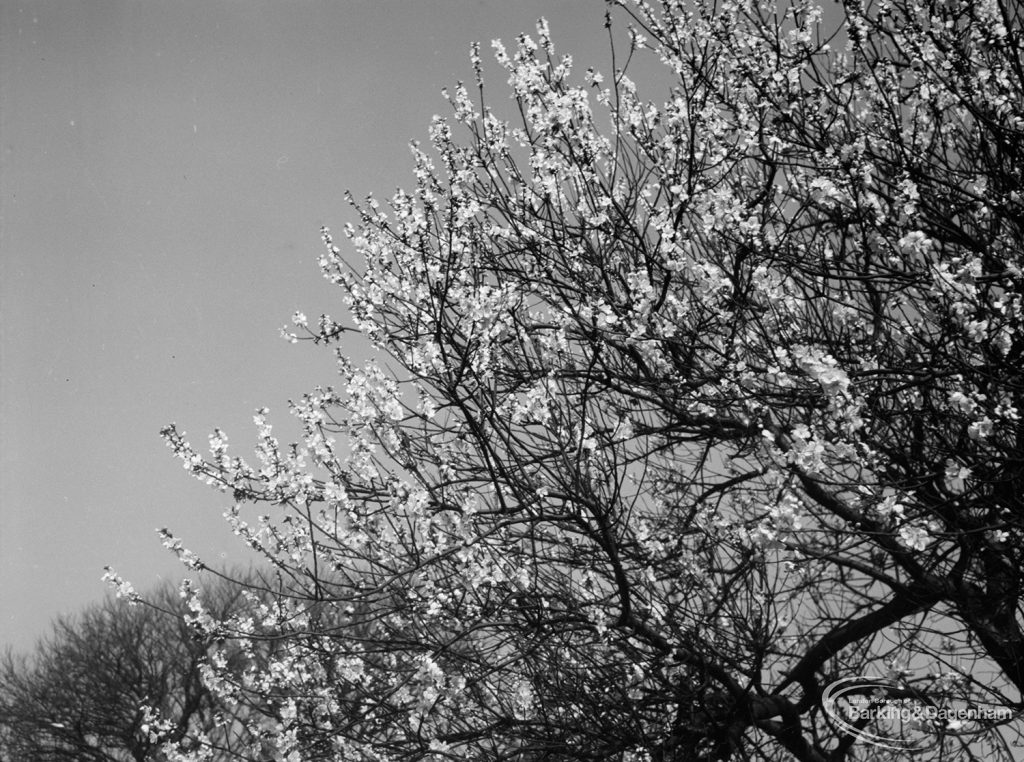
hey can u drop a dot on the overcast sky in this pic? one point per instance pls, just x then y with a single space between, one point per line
166 168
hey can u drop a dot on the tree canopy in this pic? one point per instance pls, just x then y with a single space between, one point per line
117 682
691 399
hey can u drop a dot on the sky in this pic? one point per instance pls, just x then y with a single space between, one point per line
165 168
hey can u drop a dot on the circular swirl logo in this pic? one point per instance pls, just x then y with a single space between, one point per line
883 712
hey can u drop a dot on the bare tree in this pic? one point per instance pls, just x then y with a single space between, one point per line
695 411
118 681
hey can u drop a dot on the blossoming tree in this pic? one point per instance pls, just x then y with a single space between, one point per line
690 401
